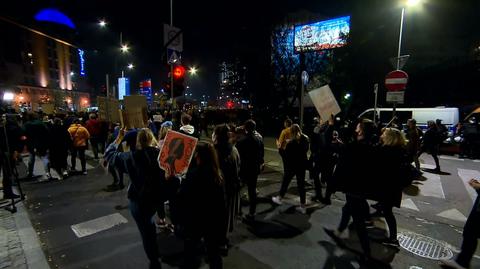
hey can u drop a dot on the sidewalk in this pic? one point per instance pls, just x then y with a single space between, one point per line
19 245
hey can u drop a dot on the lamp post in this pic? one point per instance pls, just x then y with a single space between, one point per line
408 3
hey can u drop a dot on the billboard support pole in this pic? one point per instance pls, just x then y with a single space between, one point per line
302 88
375 90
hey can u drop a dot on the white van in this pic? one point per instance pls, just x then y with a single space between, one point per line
448 115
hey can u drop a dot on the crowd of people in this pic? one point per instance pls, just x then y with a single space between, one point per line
204 202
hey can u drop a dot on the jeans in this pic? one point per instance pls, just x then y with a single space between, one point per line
116 174
300 174
471 233
97 145
142 214
31 163
6 173
251 181
355 207
81 154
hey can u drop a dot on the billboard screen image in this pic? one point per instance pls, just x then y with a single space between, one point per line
322 35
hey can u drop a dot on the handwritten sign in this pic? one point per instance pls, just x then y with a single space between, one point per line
136 111
325 102
176 153
107 109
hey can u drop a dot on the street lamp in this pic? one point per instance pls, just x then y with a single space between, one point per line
193 70
409 3
124 48
130 66
102 23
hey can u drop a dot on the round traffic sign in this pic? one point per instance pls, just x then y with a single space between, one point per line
305 78
396 80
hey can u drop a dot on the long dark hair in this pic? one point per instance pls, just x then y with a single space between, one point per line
207 157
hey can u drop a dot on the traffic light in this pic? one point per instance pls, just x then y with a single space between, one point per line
178 80
230 104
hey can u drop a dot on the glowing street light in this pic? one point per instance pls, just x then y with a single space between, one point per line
413 2
72 74
193 70
347 96
124 48
130 66
102 23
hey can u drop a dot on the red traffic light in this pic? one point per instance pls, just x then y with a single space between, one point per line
230 104
178 72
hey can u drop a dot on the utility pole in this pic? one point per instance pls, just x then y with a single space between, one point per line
171 64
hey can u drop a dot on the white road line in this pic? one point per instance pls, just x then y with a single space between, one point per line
432 187
408 203
97 225
466 175
271 149
453 214
451 158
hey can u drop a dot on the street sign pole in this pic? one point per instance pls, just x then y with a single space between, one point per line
171 64
375 90
107 85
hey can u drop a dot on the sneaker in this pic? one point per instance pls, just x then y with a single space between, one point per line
277 200
451 264
65 174
392 243
84 173
48 176
301 209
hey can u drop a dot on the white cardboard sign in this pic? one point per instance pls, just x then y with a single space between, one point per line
325 102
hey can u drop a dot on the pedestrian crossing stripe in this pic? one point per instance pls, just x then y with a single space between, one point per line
432 187
408 203
453 214
466 175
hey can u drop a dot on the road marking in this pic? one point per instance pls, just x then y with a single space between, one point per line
453 214
466 175
97 225
451 158
432 186
408 203
270 149
476 161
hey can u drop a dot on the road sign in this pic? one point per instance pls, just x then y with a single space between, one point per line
396 80
305 78
173 57
396 97
402 61
170 32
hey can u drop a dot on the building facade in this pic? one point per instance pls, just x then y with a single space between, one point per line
39 64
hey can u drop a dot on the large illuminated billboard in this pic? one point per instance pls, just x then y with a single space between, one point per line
322 35
123 88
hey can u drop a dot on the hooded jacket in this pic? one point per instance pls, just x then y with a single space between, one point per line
79 135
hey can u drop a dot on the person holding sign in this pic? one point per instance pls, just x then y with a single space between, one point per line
145 187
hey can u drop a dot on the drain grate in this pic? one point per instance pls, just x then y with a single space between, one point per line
424 246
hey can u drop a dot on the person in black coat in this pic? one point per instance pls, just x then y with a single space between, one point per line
145 189
296 161
251 152
59 144
10 147
391 154
431 143
201 200
353 177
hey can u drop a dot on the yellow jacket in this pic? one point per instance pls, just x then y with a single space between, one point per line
285 136
79 135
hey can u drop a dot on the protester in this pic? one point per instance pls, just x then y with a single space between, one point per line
202 203
143 193
391 155
10 147
352 175
431 143
37 142
471 233
251 151
229 161
282 141
414 136
186 128
94 128
295 165
58 150
79 136
161 221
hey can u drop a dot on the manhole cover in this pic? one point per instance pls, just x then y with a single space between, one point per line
424 246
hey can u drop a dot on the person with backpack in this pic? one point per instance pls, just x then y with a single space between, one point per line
296 161
79 136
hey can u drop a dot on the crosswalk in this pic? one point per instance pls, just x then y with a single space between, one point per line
38 168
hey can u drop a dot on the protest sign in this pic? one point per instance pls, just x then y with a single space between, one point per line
176 153
135 111
324 102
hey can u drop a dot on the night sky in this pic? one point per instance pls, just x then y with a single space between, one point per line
440 36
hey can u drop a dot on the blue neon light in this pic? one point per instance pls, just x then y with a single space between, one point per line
55 16
82 62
